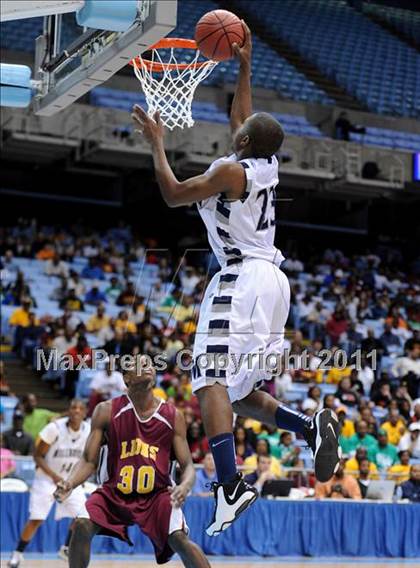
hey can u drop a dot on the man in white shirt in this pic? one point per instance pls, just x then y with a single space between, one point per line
105 384
56 267
410 363
411 441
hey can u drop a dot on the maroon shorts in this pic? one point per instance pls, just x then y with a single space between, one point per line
153 514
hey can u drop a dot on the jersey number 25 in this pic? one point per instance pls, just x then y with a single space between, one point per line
263 222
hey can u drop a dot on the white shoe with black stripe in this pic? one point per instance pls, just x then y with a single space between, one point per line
322 437
232 499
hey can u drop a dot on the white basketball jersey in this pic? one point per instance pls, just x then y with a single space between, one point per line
66 446
244 228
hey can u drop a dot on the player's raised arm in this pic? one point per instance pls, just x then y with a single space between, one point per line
242 100
183 456
89 462
229 178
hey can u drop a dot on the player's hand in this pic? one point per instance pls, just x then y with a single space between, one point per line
178 495
63 491
244 53
150 128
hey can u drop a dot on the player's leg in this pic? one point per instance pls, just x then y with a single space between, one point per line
26 536
72 507
79 550
321 432
191 555
40 503
232 494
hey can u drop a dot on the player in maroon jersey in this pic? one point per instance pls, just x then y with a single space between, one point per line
143 433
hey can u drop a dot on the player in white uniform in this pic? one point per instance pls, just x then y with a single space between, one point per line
59 448
245 307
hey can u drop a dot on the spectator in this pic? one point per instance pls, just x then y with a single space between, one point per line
262 473
197 442
205 477
64 340
56 267
123 324
411 489
361 438
400 472
364 476
289 454
76 283
411 440
7 463
390 341
382 397
16 440
336 326
105 384
80 354
272 435
340 486
92 270
127 296
394 426
352 466
98 321
343 127
72 302
346 393
347 426
114 289
35 418
189 280
262 449
21 316
386 454
409 363
95 297
242 446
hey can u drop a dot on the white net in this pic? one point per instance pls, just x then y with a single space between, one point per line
169 86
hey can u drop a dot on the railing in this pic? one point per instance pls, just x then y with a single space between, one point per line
24 469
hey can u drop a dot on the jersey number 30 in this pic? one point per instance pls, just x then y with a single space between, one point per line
145 479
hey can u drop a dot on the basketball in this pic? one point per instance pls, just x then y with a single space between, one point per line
215 33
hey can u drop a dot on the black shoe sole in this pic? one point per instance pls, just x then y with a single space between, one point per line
238 513
328 455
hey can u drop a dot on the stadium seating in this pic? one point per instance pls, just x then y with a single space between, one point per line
359 55
405 21
270 71
388 138
207 111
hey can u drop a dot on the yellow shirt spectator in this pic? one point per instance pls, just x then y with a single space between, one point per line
160 393
96 323
21 317
395 432
399 473
352 468
253 424
250 465
335 375
347 429
125 325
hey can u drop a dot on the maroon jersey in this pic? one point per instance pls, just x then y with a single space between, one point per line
134 485
139 451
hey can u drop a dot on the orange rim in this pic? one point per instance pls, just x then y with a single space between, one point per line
164 43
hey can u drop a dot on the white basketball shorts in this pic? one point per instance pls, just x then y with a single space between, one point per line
41 500
240 331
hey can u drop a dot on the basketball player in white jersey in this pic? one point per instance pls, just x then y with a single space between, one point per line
59 447
246 304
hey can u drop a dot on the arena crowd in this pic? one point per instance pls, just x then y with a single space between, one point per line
352 344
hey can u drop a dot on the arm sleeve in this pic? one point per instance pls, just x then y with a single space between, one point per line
49 433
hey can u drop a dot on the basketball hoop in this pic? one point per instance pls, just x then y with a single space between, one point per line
169 86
